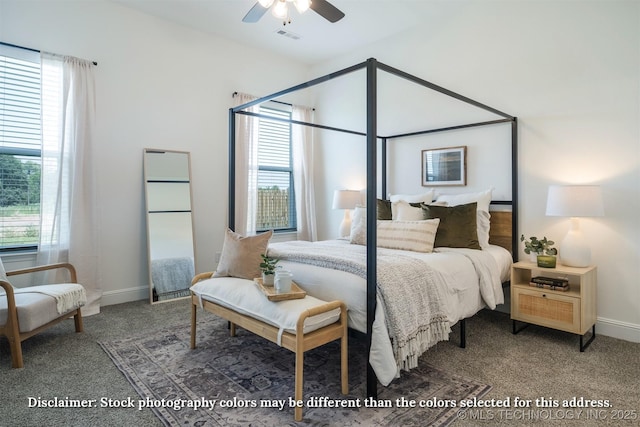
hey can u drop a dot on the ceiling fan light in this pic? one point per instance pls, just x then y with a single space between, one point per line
265 3
302 5
280 10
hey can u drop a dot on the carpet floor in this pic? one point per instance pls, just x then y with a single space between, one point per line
247 380
538 363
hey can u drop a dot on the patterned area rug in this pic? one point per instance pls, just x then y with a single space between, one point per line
246 374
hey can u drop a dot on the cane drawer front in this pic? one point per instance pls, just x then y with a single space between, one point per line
547 308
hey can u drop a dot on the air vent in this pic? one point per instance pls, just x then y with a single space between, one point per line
288 34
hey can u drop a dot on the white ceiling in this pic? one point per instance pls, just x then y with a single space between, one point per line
365 22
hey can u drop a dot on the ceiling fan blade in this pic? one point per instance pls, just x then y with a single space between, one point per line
327 10
255 13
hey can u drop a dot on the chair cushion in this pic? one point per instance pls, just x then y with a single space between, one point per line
35 308
3 273
244 297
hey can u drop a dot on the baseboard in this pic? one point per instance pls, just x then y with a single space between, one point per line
609 327
617 329
121 296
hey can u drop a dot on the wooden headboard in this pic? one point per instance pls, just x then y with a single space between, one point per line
500 232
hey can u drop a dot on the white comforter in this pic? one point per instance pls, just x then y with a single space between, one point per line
473 281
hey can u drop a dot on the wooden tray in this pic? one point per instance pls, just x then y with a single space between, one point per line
272 295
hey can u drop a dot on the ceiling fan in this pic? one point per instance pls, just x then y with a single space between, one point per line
281 10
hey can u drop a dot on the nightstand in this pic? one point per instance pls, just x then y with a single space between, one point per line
570 311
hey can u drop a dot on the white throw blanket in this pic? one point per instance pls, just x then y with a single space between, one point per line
489 277
411 291
68 296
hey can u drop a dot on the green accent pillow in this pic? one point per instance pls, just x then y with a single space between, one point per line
383 209
458 225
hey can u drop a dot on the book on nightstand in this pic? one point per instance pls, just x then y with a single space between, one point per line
559 287
555 281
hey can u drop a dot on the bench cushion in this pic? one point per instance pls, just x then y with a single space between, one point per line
243 296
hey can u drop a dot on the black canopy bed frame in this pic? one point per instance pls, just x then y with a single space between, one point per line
372 66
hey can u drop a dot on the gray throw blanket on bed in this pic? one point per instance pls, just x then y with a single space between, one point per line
410 290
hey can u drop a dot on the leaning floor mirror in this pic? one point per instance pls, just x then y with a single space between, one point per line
170 242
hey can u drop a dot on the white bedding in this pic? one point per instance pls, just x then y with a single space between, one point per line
463 297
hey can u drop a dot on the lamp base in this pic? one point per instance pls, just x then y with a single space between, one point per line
574 250
345 225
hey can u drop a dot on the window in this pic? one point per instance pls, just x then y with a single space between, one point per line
276 203
20 148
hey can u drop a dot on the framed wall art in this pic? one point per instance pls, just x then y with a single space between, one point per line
444 166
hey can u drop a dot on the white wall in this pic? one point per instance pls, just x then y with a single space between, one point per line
571 74
158 85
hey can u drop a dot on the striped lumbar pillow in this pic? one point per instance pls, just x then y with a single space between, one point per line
417 236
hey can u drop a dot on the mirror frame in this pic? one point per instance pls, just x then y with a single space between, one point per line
154 180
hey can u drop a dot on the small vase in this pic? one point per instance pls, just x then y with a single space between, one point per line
547 261
267 279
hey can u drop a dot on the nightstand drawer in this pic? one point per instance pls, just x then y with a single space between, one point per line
546 308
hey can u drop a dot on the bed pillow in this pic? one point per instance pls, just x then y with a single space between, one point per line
405 211
417 236
383 209
358 235
483 200
458 225
241 255
426 197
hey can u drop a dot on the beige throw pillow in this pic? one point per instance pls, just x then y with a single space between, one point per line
358 234
241 255
417 236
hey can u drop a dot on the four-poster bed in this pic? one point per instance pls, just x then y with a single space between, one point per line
503 233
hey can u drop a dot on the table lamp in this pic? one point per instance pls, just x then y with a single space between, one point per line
575 201
347 200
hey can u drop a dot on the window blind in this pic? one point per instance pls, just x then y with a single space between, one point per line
20 147
276 204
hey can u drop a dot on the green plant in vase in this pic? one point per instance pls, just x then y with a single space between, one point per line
542 248
268 267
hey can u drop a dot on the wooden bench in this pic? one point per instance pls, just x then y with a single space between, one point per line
243 304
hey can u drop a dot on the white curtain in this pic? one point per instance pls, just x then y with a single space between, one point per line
302 140
69 227
246 167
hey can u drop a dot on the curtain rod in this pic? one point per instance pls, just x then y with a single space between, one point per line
234 94
31 49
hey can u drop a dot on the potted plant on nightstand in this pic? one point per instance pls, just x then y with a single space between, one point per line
268 267
542 248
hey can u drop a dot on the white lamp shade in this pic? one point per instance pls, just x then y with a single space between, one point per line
346 199
575 200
